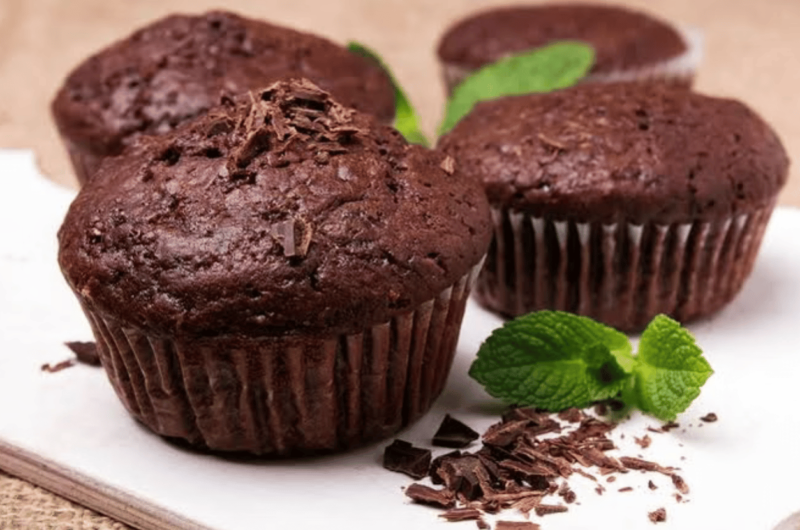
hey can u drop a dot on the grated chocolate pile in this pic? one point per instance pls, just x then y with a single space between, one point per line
520 468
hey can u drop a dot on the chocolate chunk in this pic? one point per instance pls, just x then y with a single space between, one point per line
437 462
86 352
425 495
53 368
709 418
453 433
658 516
403 457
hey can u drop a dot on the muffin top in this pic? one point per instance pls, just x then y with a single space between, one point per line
622 38
282 212
606 152
177 67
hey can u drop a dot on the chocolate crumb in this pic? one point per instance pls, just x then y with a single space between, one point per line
709 418
651 485
658 516
53 368
482 524
643 442
426 495
86 352
516 525
625 489
600 489
403 457
680 484
678 497
453 433
461 514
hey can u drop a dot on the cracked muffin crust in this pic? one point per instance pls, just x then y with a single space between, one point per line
176 68
281 245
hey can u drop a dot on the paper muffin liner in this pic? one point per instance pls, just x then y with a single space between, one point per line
286 395
622 274
679 70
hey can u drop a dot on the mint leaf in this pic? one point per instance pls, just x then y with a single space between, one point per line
558 65
670 369
552 360
405 118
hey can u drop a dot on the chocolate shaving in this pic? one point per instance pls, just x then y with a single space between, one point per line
669 426
625 489
403 457
482 524
709 418
85 352
448 165
643 442
516 525
453 433
461 514
651 485
53 368
547 509
572 415
658 516
425 495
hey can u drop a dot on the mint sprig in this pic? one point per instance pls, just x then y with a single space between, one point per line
405 117
555 66
555 360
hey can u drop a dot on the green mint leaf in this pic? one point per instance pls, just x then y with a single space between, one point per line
558 65
670 369
405 118
553 360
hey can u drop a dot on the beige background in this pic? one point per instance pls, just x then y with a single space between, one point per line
751 54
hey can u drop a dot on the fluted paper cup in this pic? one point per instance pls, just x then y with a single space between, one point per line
622 274
286 395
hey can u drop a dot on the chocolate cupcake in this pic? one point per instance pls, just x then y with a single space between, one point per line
629 45
178 67
620 201
280 276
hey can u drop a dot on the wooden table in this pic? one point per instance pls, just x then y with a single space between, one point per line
751 54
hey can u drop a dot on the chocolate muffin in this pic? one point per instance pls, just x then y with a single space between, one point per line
629 45
620 201
178 67
280 276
